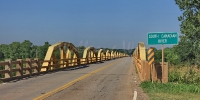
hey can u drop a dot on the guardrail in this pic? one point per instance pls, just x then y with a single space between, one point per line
18 69
147 69
143 69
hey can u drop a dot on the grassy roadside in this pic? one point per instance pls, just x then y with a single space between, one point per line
167 96
171 91
184 84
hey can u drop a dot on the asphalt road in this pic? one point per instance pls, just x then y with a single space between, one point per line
111 80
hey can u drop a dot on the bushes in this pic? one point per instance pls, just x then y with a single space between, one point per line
170 55
174 76
184 75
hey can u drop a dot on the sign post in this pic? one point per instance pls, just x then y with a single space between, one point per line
162 58
158 38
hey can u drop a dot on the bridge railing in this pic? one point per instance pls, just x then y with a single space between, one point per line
143 69
147 69
141 63
18 69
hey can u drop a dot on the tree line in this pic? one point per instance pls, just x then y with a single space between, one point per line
27 49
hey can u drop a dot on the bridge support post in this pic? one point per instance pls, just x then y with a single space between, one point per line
145 70
68 56
75 61
53 63
20 67
28 66
62 57
36 65
9 68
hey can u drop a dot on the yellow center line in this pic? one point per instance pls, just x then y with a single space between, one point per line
48 94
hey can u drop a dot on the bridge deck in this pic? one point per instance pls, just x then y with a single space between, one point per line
112 80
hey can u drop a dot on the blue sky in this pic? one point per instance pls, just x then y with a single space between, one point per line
98 23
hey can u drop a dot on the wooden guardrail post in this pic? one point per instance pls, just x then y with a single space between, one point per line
69 62
28 66
9 68
37 66
81 61
51 63
20 67
92 59
88 60
96 59
145 70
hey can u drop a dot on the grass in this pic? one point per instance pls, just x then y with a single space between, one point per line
171 91
184 84
167 96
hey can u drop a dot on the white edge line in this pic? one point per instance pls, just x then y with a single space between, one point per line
135 95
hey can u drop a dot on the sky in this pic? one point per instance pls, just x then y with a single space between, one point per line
98 23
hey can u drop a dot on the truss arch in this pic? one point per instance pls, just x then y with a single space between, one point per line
89 55
65 50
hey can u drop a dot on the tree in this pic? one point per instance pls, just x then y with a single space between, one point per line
81 50
34 51
14 51
171 56
4 50
1 55
43 50
157 55
189 45
26 48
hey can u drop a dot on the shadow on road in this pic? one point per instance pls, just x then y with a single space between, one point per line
26 77
75 68
35 75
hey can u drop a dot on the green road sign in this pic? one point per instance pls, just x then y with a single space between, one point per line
162 38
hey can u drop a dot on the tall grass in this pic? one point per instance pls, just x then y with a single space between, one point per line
186 75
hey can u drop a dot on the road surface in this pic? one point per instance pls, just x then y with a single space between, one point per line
111 80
